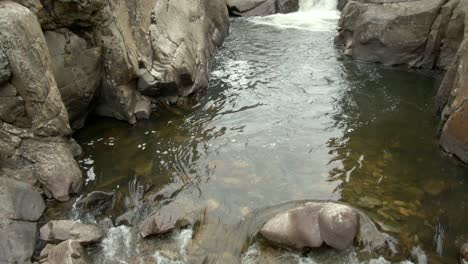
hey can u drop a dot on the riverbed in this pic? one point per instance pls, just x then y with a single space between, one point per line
288 117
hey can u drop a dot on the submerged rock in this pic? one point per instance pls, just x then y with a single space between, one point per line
96 199
69 252
61 230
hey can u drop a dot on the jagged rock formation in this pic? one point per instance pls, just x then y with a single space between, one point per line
425 34
61 60
261 7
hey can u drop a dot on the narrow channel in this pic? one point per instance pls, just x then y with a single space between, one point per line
286 117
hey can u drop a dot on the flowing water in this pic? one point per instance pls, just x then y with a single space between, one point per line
286 117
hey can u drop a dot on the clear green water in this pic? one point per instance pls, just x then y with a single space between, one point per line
286 117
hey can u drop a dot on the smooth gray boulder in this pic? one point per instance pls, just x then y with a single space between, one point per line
61 230
69 252
464 253
20 201
17 241
261 7
77 71
310 225
339 225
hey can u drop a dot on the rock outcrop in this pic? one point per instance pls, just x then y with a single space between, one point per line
401 32
34 128
20 208
261 7
430 35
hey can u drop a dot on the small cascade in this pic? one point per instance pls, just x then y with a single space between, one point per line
313 15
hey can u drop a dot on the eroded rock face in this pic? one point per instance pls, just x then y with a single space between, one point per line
310 225
70 252
62 230
77 70
400 32
261 7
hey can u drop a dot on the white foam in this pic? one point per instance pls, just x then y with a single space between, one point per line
116 246
313 15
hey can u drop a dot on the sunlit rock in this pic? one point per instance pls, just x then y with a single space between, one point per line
70 252
61 230
339 225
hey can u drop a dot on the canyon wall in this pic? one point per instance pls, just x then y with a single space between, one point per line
428 34
60 60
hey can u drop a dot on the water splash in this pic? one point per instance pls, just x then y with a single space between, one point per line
116 246
313 15
183 238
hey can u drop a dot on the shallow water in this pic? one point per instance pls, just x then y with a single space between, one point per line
287 117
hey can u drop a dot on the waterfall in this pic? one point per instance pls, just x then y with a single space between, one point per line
313 15
314 5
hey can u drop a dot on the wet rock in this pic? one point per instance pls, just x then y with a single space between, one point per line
464 253
160 223
61 230
77 70
172 216
147 83
5 72
18 241
96 200
70 252
339 225
297 228
261 7
400 32
341 4
19 201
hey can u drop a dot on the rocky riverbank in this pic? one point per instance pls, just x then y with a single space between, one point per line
420 34
62 60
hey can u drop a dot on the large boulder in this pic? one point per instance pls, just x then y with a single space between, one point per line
20 201
69 252
24 45
338 224
18 241
297 228
61 230
261 7
310 225
21 206
396 32
77 70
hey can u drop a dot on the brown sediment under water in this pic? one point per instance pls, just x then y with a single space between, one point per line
287 117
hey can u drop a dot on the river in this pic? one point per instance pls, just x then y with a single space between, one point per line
286 117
